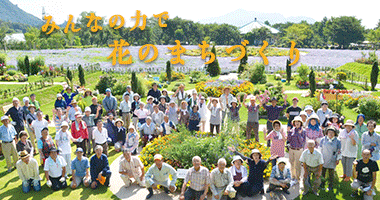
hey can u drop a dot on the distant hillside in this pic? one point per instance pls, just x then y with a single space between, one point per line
241 17
11 13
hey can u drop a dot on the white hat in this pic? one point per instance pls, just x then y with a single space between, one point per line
78 113
25 99
158 157
15 99
309 107
4 117
87 109
59 95
281 160
303 113
235 158
64 123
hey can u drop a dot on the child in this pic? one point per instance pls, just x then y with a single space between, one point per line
278 137
349 139
330 149
215 118
172 112
234 114
120 134
132 140
62 139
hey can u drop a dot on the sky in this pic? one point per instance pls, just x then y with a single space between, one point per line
366 10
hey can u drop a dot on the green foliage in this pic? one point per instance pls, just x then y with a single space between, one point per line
288 70
341 76
168 71
241 96
303 71
11 72
301 34
134 82
82 80
197 76
313 84
374 74
370 107
137 85
213 68
243 61
119 88
106 81
27 68
256 73
336 106
3 58
36 64
258 35
203 94
69 76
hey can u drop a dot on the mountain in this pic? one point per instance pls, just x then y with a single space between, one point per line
241 17
12 13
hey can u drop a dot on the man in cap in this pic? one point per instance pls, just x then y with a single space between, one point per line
90 122
17 115
292 112
81 170
110 102
27 169
55 170
312 161
221 181
62 139
99 168
274 112
199 178
158 174
280 177
68 95
73 109
131 167
34 102
155 93
324 112
8 146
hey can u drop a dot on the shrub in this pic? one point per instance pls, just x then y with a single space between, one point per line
256 73
374 74
336 106
314 103
213 68
119 88
370 107
169 71
313 85
35 65
341 76
268 85
106 81
303 71
3 58
11 72
82 80
175 76
215 88
288 70
196 76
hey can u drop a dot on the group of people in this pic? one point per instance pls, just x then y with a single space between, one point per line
316 142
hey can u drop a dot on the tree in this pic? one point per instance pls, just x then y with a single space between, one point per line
374 36
374 74
344 30
213 68
134 82
82 80
69 77
257 35
312 83
288 70
3 31
301 34
243 61
168 71
26 66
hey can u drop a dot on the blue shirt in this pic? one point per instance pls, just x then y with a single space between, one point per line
7 134
281 175
80 166
110 103
60 104
68 97
98 165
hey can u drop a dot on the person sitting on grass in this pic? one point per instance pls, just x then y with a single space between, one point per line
280 177
80 169
240 176
27 169
99 168
55 170
158 174
131 167
365 170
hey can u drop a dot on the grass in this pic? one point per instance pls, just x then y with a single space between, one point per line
358 68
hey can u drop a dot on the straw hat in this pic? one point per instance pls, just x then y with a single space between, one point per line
297 118
313 116
349 123
73 101
119 120
24 154
332 128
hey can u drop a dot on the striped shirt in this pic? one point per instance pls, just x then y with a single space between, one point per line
198 179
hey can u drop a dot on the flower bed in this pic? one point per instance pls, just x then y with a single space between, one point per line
178 149
215 88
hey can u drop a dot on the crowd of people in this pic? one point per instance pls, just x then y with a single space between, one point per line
316 142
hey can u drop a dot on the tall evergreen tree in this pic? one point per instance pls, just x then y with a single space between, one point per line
27 66
82 80
134 82
243 61
312 83
168 71
374 74
213 68
288 71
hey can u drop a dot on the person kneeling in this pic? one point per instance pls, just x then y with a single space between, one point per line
27 169
280 177
99 168
55 170
131 167
222 182
81 170
158 174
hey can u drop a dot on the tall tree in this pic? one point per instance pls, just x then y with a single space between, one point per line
3 31
134 82
301 34
168 71
288 70
82 80
27 66
374 74
312 82
344 30
213 68
243 61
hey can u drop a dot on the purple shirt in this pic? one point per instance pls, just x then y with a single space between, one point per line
274 112
296 139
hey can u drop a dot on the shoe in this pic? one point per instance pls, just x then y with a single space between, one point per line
166 190
316 193
354 195
149 195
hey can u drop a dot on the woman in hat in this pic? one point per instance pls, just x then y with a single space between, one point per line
87 97
172 112
157 116
149 105
132 140
280 177
240 175
120 134
62 139
28 172
25 108
193 100
349 139
180 94
297 139
166 95
313 130
194 119
225 100
55 170
278 137
162 106
256 171
183 114
44 144
24 143
60 102
303 116
58 118
135 106
324 112
309 110
202 111
371 140
331 152
215 110
74 108
234 114
360 128
79 132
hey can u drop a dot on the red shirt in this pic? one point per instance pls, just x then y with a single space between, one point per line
82 132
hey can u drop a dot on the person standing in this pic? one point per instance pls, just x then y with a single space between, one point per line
202 112
73 109
96 109
110 102
215 110
313 130
68 95
24 143
17 115
131 167
180 94
278 137
360 128
38 125
274 112
225 99
324 112
27 169
194 119
62 139
349 139
297 140
125 110
135 106
90 120
8 146
253 117
34 102
312 161
155 93
30 117
79 132
371 140
132 140
292 112
101 136
44 144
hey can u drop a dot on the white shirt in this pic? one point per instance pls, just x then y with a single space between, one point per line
100 137
55 168
38 126
125 107
63 141
28 171
348 149
311 159
134 165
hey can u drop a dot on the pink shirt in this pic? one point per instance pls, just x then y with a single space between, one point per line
313 135
278 144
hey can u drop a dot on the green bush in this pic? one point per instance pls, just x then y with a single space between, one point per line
336 106
36 64
314 103
268 85
370 107
256 73
106 81
3 58
119 88
196 76
303 71
341 76
204 95
165 86
11 72
213 68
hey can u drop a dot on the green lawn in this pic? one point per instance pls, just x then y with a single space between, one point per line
358 68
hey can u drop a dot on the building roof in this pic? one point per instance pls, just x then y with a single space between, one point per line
254 25
18 37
